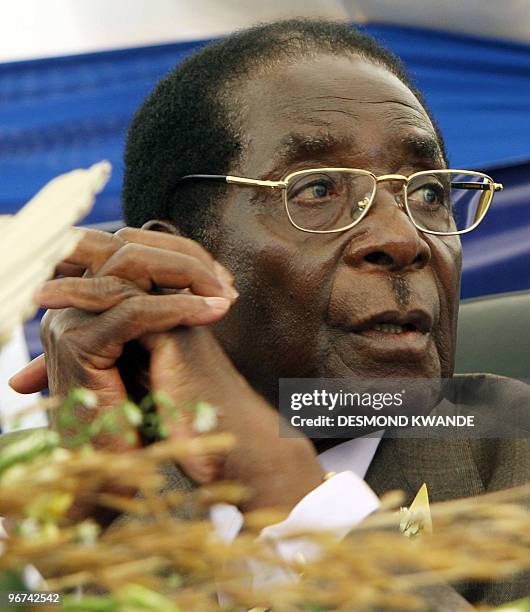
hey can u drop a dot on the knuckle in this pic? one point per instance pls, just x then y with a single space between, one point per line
125 233
57 335
107 246
114 287
45 327
60 327
198 250
57 344
197 269
103 285
121 260
133 310
126 288
117 241
130 249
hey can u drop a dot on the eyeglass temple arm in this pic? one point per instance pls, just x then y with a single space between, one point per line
481 186
214 177
238 180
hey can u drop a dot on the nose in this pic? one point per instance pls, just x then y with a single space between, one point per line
386 238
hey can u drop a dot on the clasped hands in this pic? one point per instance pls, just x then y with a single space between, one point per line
162 291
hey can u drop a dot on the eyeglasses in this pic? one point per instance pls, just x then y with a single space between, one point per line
328 200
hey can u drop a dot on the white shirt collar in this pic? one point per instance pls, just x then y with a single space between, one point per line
353 455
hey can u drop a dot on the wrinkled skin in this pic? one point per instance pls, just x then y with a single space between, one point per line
302 297
301 293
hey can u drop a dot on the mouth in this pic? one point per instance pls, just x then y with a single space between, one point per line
395 323
396 334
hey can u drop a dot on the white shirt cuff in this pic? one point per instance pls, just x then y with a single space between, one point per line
336 506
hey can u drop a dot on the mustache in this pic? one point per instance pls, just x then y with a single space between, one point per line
401 290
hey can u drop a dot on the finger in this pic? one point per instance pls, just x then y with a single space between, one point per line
31 378
93 294
96 247
179 244
148 266
93 249
168 242
66 269
144 314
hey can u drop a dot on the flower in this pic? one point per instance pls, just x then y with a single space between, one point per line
417 518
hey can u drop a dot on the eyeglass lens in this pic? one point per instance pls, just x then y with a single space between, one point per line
437 201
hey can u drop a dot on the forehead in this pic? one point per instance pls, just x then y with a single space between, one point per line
339 109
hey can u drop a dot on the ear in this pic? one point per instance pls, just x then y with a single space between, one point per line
157 225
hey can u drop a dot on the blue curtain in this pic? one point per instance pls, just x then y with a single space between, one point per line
64 113
478 89
497 254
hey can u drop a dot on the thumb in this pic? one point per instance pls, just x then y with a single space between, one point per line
31 378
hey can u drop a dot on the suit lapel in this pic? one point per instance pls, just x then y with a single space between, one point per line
447 466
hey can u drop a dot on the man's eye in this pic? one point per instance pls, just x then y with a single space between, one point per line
319 190
314 192
431 195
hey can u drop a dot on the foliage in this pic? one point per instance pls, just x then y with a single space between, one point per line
161 553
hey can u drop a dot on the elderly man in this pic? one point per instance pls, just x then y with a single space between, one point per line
293 184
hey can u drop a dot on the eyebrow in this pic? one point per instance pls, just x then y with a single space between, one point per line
299 147
295 147
424 148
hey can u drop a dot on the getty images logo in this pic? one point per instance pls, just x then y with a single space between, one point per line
321 398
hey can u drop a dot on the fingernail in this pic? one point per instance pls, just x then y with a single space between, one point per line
226 280
231 293
223 274
22 370
217 304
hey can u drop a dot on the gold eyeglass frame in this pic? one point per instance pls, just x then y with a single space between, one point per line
491 185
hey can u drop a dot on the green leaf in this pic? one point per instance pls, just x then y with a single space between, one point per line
147 404
87 398
28 447
163 431
161 398
132 413
104 603
12 580
137 597
174 581
130 437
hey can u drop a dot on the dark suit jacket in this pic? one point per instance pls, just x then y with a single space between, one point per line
452 468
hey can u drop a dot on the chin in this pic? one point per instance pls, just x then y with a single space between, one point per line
346 361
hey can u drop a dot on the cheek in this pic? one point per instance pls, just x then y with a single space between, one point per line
290 285
284 283
284 273
447 263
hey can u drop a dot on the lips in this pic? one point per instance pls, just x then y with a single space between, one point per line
394 335
394 322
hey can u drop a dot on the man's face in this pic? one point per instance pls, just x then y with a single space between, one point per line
309 302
